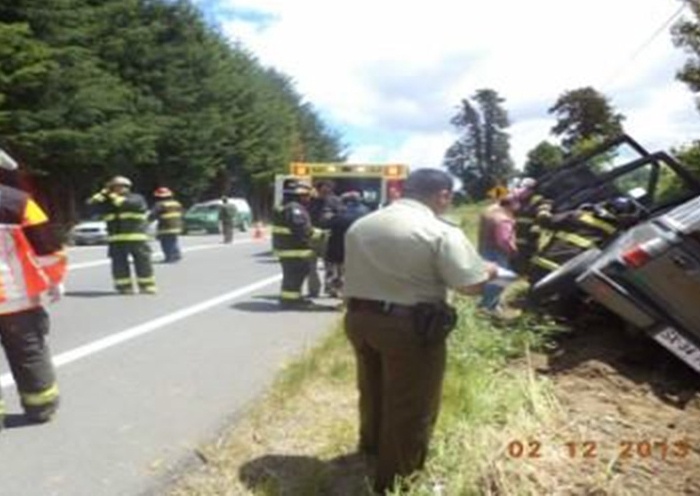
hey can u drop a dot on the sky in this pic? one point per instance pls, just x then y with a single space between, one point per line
388 74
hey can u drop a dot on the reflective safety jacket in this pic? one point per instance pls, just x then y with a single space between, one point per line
571 233
31 256
125 215
168 214
527 229
292 232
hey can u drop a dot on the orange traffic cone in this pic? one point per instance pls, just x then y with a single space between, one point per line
258 231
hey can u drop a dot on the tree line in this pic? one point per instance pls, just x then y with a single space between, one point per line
146 89
584 118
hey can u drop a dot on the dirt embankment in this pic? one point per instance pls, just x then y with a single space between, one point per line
630 422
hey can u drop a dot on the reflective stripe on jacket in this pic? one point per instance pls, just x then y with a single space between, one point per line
168 213
31 257
292 231
125 216
574 232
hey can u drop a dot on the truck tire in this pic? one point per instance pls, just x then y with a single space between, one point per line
563 280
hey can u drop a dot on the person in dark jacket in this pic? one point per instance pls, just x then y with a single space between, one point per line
292 237
323 205
126 215
351 210
167 211
227 218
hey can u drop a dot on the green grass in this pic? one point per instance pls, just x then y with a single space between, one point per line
486 403
490 397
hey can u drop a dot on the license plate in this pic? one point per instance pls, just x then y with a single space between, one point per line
680 346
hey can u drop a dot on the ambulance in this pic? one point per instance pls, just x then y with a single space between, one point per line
378 184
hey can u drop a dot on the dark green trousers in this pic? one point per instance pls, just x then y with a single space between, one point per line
23 336
294 272
140 253
400 384
227 230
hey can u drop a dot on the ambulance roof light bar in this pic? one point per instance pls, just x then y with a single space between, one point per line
323 168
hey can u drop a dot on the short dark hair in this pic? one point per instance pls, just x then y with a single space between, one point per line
424 183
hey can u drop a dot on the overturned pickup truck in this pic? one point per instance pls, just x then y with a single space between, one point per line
647 274
650 276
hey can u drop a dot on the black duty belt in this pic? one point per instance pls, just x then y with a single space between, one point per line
381 307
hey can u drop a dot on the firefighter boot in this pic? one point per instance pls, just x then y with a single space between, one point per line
44 411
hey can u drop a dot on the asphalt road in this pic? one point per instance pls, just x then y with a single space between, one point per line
146 379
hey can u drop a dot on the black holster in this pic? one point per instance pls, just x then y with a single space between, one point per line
433 322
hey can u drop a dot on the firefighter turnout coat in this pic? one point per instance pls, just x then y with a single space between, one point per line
127 221
567 234
528 218
31 257
168 214
292 235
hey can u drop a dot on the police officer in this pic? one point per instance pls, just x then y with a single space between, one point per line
292 236
38 267
400 262
126 216
167 211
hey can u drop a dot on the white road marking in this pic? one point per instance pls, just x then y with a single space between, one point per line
106 261
147 327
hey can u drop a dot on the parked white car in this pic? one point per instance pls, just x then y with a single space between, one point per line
94 232
89 232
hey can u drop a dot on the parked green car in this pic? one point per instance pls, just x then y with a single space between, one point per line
205 216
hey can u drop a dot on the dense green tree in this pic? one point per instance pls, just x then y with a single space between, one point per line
689 156
543 158
686 35
481 155
144 88
584 114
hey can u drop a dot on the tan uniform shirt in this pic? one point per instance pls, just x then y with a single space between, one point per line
405 254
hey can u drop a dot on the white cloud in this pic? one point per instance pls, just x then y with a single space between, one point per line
392 72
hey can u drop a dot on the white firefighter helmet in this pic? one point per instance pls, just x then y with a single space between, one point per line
119 181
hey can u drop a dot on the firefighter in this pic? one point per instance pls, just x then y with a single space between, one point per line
292 238
34 264
167 211
532 210
572 232
126 215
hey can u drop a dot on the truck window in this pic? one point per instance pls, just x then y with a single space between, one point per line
655 185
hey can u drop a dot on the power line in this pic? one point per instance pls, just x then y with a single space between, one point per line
648 42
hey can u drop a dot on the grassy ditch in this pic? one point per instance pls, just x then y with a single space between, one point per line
299 439
296 440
